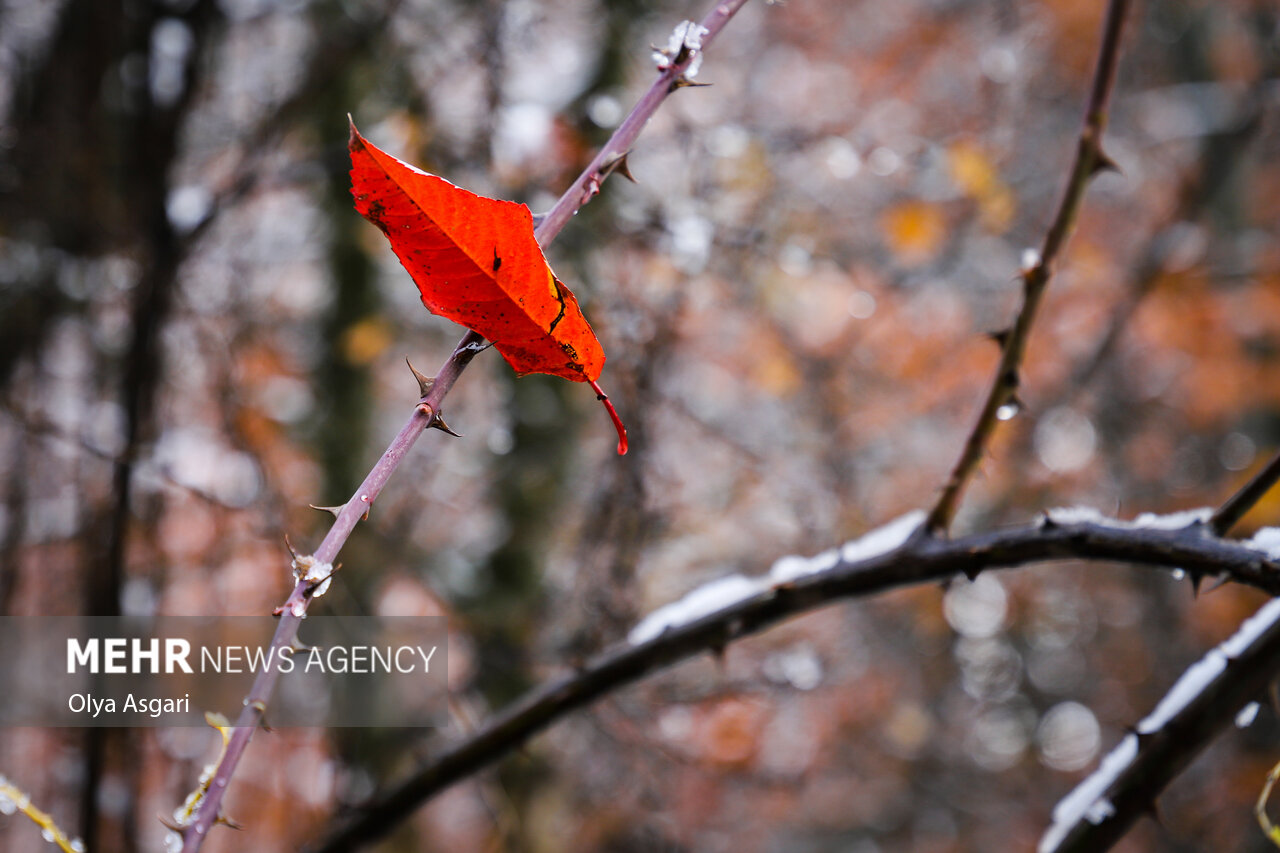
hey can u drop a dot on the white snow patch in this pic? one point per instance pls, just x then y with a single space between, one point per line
1077 515
308 568
1099 811
871 544
1266 540
1247 715
707 599
1199 674
1188 687
791 567
1087 799
1252 628
1145 521
686 35
883 539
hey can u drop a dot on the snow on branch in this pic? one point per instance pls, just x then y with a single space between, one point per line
725 592
1220 687
899 554
1146 520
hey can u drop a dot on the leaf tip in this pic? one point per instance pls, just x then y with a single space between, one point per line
355 139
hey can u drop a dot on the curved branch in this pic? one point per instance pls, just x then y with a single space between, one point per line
1089 161
924 558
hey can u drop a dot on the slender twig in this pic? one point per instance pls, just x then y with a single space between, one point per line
1220 156
13 798
615 150
1126 792
1247 498
1089 161
427 414
923 559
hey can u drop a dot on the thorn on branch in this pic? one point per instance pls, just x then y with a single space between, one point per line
1000 336
620 166
1218 583
1102 163
332 510
437 422
425 383
683 82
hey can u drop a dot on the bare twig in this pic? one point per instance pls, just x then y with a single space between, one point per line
1247 498
923 559
1089 161
427 414
1199 188
13 798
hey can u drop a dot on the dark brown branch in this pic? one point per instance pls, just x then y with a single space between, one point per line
923 559
1160 755
1244 500
1089 161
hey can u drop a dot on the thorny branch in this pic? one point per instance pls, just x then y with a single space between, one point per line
13 798
1164 753
426 414
924 558
1160 755
1089 161
1200 187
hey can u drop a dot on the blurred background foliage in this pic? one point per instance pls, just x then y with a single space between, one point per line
199 337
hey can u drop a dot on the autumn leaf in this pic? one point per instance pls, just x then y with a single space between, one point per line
476 261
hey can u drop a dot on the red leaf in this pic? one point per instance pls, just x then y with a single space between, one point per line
476 262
